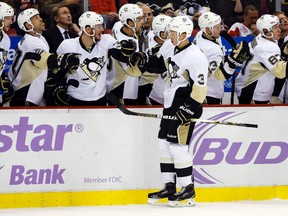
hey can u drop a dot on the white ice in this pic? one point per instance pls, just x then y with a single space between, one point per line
273 207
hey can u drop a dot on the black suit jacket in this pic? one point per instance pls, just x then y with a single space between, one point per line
54 37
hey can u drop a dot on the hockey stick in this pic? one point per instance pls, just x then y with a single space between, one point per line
114 100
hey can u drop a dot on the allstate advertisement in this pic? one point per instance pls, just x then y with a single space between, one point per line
103 149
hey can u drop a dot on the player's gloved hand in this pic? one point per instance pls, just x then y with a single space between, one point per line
190 109
154 49
238 55
138 59
7 95
128 47
4 83
68 61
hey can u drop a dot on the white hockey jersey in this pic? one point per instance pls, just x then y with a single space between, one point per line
92 71
159 84
214 53
22 76
185 65
4 49
261 70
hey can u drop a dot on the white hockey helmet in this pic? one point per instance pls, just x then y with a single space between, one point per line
25 16
130 11
265 23
208 20
181 24
160 24
90 18
5 10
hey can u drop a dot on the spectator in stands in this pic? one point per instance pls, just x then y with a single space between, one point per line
250 16
264 6
230 11
143 43
75 6
63 27
107 8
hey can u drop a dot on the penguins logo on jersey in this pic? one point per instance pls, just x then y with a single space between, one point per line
92 67
172 69
3 58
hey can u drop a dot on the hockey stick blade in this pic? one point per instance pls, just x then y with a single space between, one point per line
114 100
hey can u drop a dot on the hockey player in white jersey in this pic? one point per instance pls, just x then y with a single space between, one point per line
220 66
188 71
6 20
156 38
32 62
132 19
256 80
90 77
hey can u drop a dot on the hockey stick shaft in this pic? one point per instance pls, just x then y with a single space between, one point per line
120 106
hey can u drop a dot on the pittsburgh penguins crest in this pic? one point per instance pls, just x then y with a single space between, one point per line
172 69
92 67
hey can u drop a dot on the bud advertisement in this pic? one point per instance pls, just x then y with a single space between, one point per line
103 149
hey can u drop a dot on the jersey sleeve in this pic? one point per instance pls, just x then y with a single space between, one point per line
198 72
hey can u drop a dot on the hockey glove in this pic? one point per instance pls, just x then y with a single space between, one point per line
154 49
238 55
189 110
138 59
4 83
128 47
68 61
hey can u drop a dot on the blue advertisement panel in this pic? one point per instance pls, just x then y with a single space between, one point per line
12 52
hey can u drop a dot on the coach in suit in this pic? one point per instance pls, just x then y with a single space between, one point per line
61 29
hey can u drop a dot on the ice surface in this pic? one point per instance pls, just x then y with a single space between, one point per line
273 207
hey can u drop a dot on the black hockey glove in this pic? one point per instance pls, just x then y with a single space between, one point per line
4 83
138 59
7 95
128 47
154 50
189 110
68 61
238 55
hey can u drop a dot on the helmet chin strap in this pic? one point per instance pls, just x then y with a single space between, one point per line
91 35
269 37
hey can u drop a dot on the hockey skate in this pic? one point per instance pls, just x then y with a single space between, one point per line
156 197
183 198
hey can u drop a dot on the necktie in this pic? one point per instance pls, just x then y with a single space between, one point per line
66 35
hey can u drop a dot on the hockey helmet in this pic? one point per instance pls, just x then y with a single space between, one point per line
130 11
90 18
208 20
181 24
265 23
5 10
25 16
160 24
